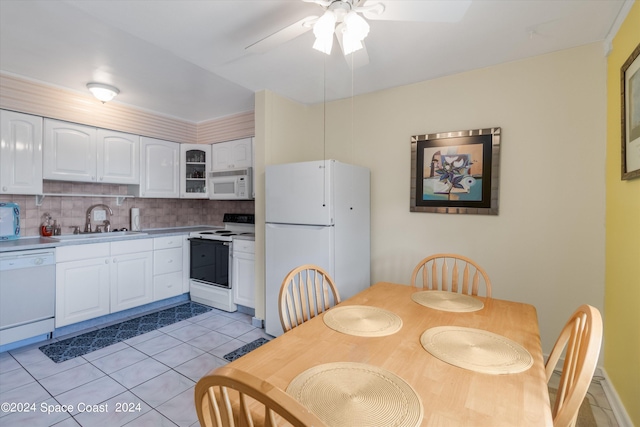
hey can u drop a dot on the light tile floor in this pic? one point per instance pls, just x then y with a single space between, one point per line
147 380
150 378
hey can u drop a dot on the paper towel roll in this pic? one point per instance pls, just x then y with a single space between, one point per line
135 219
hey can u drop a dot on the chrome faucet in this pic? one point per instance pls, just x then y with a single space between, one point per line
87 226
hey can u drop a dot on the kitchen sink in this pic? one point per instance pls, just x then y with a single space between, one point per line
91 236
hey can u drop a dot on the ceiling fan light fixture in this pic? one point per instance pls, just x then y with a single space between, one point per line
102 91
324 45
323 30
350 43
357 26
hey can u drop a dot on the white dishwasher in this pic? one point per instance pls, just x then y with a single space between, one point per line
27 294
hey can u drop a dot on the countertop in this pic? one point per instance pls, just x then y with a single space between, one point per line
36 242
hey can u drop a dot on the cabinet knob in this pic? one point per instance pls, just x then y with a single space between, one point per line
106 261
115 260
4 188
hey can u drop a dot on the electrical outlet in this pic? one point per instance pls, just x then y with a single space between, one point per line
99 215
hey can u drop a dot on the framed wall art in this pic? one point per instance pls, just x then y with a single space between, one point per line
456 172
630 89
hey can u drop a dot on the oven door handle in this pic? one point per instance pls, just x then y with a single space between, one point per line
200 239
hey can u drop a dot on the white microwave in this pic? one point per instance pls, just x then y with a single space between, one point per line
232 184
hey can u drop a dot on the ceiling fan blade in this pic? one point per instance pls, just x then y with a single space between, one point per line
417 11
323 3
358 59
282 36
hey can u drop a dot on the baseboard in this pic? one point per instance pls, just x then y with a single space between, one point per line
617 407
257 322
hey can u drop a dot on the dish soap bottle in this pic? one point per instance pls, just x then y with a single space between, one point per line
46 228
57 228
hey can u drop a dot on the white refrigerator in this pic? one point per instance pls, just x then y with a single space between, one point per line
316 213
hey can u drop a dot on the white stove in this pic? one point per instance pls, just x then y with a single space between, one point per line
235 225
211 266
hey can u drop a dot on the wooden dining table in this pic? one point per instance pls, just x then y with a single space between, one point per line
450 395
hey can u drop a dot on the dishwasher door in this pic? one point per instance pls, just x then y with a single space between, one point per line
27 294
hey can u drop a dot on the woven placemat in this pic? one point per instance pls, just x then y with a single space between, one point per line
347 394
363 321
476 350
448 301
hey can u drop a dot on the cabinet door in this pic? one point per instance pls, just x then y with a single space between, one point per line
242 153
160 168
195 162
69 152
244 279
20 153
232 154
82 290
131 280
118 157
220 156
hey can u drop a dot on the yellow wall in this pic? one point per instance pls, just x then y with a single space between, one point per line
622 277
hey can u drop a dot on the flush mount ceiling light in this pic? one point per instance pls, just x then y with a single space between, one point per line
103 92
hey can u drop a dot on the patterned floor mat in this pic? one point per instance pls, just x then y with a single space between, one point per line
90 341
239 352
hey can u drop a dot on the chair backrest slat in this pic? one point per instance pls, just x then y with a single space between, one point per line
465 275
444 285
314 293
454 277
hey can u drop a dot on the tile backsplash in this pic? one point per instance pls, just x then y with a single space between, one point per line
71 211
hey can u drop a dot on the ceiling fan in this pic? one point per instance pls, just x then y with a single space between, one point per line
346 19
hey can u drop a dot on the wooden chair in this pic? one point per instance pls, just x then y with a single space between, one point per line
304 294
432 273
582 337
218 406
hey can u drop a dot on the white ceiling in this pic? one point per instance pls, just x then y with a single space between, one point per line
187 59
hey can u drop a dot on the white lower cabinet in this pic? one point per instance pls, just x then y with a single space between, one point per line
243 279
167 267
131 274
82 283
101 278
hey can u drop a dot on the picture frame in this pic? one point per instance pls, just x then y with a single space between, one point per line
630 114
456 172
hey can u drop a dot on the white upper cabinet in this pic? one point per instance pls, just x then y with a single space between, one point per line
75 152
159 168
195 161
20 153
69 151
232 154
118 157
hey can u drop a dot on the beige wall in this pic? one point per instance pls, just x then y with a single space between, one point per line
547 245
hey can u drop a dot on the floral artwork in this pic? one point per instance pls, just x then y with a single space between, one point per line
455 172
